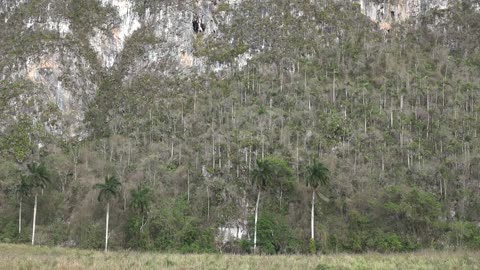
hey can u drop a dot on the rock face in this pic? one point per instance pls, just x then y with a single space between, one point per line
7 6
110 42
65 71
389 11
234 230
63 53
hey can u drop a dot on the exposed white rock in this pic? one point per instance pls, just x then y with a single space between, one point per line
129 18
60 25
234 3
105 47
242 60
8 6
61 77
398 10
235 230
108 44
58 79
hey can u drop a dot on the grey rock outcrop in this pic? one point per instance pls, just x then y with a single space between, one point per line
63 73
398 10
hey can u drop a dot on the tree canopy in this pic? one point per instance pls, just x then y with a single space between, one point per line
109 189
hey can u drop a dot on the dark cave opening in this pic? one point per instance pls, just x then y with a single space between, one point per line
198 26
392 13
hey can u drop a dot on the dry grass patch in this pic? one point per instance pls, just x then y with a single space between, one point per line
27 257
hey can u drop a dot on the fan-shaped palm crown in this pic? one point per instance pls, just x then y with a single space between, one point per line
269 169
141 198
38 176
109 189
317 175
263 173
23 188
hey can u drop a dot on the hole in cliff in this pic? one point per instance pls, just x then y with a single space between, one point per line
196 26
392 13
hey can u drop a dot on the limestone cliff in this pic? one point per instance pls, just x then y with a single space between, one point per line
54 53
399 10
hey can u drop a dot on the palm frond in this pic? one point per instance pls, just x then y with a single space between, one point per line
109 189
38 175
318 175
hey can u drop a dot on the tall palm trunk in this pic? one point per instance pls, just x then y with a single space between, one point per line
34 219
256 219
20 219
106 227
208 203
313 215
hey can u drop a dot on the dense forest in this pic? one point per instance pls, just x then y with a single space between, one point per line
374 129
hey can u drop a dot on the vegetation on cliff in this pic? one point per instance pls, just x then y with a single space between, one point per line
393 115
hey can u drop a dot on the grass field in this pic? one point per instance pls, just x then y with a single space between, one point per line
27 257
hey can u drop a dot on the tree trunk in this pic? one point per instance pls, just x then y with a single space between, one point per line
20 219
256 219
313 215
144 222
333 92
281 196
106 227
34 220
188 185
208 203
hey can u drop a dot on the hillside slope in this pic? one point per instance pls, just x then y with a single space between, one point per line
184 97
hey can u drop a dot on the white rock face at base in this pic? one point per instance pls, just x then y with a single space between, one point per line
235 230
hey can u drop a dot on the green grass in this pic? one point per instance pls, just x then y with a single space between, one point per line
27 257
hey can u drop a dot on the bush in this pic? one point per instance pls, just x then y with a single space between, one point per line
390 242
58 233
89 236
274 236
8 232
135 236
465 234
312 247
176 230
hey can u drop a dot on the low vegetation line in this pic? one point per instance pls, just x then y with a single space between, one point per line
28 257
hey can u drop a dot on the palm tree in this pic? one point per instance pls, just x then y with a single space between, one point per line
37 178
22 190
268 170
108 190
262 177
141 199
317 176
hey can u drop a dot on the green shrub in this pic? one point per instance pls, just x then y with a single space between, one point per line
58 233
390 243
176 230
89 236
465 234
274 236
137 237
8 231
312 247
